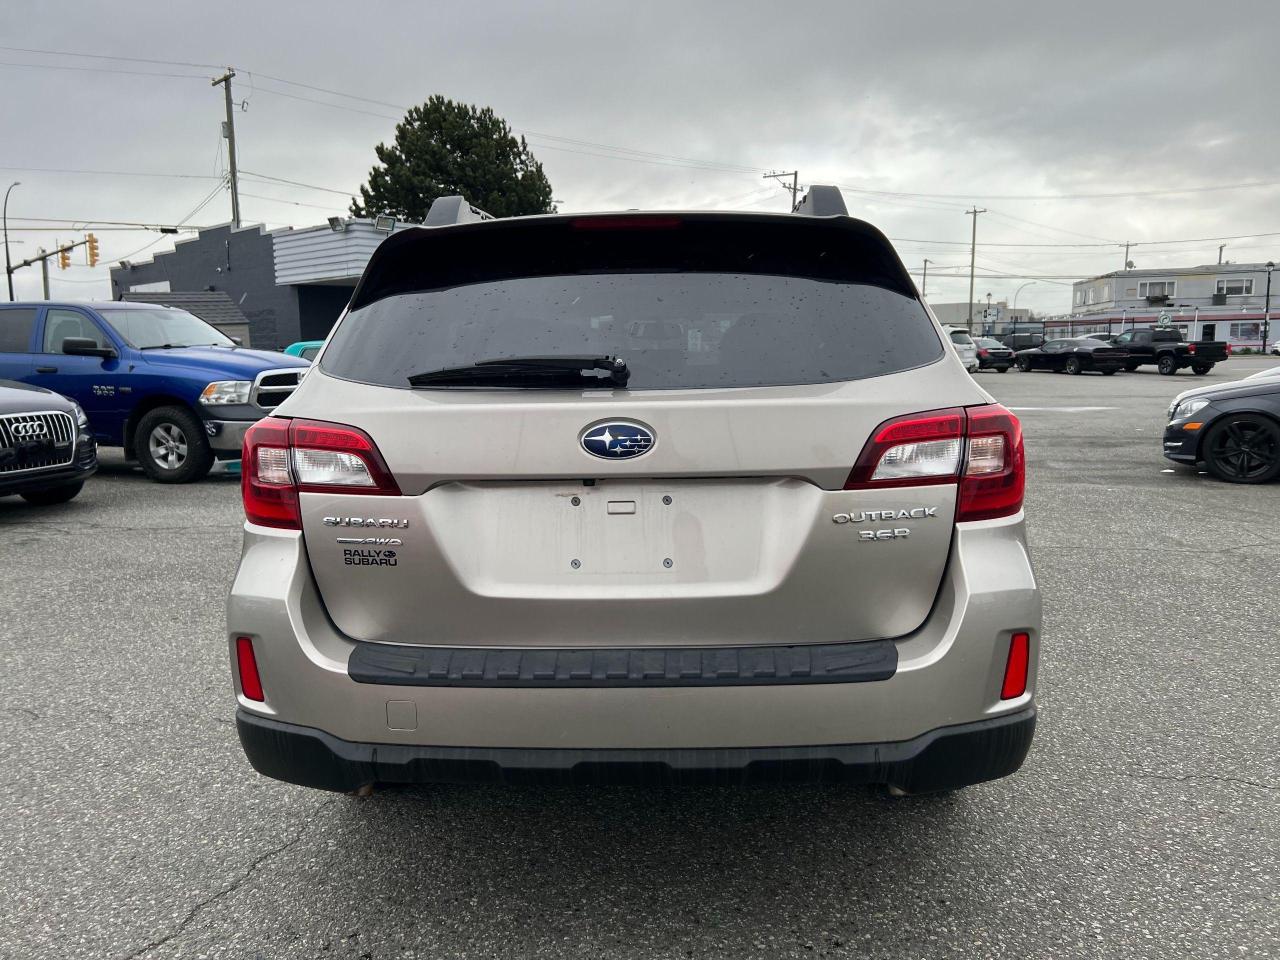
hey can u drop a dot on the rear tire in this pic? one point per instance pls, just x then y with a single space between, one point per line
1072 366
171 446
53 495
1200 369
1002 369
1130 366
1167 365
1243 448
1109 372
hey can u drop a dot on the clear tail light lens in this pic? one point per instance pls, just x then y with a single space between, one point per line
282 458
930 458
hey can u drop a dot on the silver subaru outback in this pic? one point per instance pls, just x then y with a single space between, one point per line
677 497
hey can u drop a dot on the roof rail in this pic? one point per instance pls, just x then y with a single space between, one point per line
446 211
822 201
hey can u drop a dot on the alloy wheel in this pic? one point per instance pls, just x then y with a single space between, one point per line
168 446
1245 449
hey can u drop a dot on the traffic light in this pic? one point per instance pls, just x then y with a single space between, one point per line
64 258
91 246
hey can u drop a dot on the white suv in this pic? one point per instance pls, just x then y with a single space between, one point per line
965 348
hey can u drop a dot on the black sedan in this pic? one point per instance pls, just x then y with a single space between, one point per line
993 355
1073 356
46 449
1232 428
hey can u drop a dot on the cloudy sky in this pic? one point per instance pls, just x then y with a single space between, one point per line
1078 129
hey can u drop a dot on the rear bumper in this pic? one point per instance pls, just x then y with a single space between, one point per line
940 759
946 673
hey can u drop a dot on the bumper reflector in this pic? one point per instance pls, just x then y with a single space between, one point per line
250 682
1015 669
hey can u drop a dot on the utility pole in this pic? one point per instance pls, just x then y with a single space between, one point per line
1221 247
1266 311
1126 256
44 271
229 131
924 279
794 186
973 253
8 270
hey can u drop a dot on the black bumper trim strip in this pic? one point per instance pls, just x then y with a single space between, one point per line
395 665
942 759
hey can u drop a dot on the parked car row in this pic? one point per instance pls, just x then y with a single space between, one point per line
171 390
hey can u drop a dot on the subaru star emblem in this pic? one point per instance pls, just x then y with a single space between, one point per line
617 440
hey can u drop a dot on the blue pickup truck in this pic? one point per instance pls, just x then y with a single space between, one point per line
169 388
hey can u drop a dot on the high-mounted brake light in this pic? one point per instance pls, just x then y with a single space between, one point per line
625 223
282 458
978 448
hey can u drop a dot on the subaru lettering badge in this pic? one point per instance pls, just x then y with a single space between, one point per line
617 439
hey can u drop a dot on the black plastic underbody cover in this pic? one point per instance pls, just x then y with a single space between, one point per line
400 665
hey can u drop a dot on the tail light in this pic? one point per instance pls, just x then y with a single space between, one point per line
282 458
978 448
1191 348
982 352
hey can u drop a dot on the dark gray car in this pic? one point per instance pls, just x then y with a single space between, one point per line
46 449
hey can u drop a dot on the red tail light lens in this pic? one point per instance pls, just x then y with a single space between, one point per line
247 664
980 448
266 486
982 352
995 476
281 458
1191 348
1015 668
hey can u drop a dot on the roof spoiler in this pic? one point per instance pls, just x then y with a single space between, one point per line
820 201
447 211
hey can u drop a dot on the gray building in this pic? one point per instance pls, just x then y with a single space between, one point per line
1239 287
285 285
992 320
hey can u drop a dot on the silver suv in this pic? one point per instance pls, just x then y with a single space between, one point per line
688 496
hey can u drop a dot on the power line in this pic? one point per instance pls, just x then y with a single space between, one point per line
103 56
115 173
132 73
296 203
1065 196
296 183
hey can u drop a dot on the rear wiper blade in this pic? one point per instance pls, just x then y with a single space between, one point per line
530 372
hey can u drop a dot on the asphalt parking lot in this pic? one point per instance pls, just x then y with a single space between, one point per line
1144 823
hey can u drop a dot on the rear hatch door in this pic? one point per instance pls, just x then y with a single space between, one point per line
701 504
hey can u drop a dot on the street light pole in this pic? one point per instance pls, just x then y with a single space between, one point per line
1266 310
8 270
1018 291
924 279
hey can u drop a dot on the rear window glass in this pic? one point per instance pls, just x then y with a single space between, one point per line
1165 335
673 330
705 304
16 325
961 338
